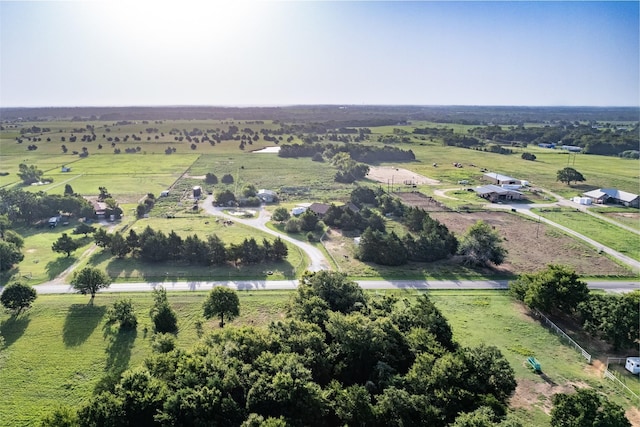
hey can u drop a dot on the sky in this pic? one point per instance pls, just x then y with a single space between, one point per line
265 53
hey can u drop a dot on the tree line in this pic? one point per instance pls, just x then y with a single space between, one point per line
360 153
156 246
558 290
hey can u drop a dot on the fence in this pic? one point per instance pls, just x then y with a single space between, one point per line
611 375
562 334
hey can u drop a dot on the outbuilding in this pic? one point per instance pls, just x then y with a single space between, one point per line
633 365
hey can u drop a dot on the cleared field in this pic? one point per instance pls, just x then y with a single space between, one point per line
601 231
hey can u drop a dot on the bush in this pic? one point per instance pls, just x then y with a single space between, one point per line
163 343
122 311
292 226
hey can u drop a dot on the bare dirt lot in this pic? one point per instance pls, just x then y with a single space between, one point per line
387 174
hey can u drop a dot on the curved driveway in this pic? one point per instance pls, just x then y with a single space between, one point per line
318 261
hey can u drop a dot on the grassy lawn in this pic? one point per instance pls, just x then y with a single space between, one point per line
57 352
601 231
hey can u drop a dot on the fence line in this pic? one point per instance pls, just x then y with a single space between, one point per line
560 332
612 376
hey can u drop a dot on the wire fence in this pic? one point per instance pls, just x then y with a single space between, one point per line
614 376
563 335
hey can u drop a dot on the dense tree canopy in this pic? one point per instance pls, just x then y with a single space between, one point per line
586 408
339 358
555 288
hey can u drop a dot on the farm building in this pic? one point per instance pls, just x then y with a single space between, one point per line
267 196
496 178
100 209
495 193
612 195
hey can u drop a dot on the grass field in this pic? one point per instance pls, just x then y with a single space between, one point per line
80 348
129 177
601 231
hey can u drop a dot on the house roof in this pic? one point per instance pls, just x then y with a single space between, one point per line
611 192
499 177
319 208
489 189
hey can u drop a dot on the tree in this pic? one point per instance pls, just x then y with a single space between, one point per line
29 174
279 250
227 179
102 238
65 244
118 245
586 408
84 228
528 156
482 246
556 288
163 317
10 254
17 297
210 178
308 220
68 191
90 280
122 311
569 174
280 214
222 302
225 197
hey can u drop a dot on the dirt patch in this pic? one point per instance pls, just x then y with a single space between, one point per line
420 200
398 176
633 415
533 245
195 176
531 394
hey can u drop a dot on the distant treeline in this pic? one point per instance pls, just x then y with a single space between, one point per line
359 153
342 116
607 140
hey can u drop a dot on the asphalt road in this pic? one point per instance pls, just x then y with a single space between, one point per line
262 285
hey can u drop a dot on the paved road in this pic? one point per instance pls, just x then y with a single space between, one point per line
259 285
318 261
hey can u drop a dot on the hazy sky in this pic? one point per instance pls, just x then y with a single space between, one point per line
282 53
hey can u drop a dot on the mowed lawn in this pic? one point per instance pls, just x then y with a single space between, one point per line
57 352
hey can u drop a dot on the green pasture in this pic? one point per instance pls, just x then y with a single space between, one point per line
627 216
57 352
595 228
40 262
599 171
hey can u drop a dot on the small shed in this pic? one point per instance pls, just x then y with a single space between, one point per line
633 365
197 192
164 193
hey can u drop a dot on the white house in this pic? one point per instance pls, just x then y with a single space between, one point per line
495 193
267 196
500 179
